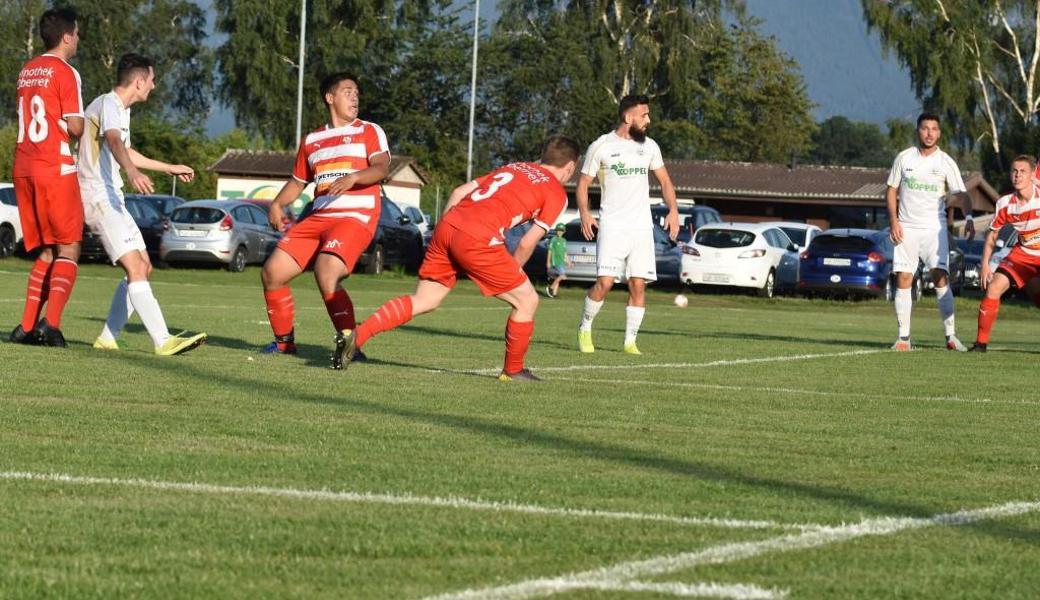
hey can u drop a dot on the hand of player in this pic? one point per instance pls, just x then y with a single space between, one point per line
588 223
985 276
182 172
342 185
140 182
275 216
969 229
896 233
671 224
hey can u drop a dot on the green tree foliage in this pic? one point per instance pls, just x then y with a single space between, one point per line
839 141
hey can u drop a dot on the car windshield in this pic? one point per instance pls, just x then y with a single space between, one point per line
797 235
840 243
573 233
197 214
724 238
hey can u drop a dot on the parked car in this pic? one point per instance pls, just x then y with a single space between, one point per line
10 223
535 267
582 254
149 221
1007 239
233 233
744 255
691 218
851 262
288 216
956 265
162 202
419 219
800 233
397 241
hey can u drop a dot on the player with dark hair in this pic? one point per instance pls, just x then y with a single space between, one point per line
623 160
50 117
103 150
470 240
346 159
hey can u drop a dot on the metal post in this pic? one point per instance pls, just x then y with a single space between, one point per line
437 211
299 82
473 90
174 192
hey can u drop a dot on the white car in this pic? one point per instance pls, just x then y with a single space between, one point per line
744 255
800 233
10 224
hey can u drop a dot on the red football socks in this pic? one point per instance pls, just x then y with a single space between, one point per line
36 294
987 317
393 314
280 311
59 283
518 338
341 309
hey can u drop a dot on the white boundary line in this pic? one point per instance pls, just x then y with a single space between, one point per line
404 499
727 553
740 591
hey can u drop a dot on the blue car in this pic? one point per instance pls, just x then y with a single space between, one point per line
850 262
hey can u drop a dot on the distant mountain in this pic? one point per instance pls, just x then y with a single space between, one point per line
842 63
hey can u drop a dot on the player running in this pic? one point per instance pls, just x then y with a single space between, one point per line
1020 209
920 178
104 148
470 240
346 159
50 117
623 160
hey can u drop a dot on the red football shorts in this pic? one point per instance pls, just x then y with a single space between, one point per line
452 253
345 237
50 209
1020 267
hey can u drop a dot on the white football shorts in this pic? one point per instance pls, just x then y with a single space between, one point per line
626 253
113 224
930 246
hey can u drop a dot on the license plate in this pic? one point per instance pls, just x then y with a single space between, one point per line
582 259
837 262
716 278
191 233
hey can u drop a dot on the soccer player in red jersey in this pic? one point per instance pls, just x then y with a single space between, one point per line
346 159
470 240
1021 209
50 116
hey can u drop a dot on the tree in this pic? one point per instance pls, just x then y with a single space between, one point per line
839 141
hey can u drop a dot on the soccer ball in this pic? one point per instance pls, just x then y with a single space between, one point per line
681 301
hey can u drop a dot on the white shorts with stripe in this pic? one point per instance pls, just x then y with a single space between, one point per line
626 253
930 246
108 218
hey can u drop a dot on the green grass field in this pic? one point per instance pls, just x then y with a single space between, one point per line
758 449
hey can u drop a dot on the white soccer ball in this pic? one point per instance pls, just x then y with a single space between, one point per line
681 301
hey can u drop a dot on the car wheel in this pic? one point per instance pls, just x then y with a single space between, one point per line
7 241
238 260
377 262
768 290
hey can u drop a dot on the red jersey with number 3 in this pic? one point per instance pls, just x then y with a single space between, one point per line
506 197
48 94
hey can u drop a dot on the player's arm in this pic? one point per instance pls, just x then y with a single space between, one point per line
286 196
671 222
527 243
892 202
183 172
74 126
138 180
964 200
581 195
459 193
376 171
987 252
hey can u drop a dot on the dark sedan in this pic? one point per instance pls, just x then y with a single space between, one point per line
397 241
149 221
163 203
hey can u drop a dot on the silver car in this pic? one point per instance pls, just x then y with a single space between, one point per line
230 232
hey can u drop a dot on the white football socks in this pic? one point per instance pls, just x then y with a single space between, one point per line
118 313
589 313
904 306
148 307
946 310
633 319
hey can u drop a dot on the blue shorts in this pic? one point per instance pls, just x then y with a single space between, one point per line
558 271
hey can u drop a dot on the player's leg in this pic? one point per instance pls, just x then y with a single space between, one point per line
640 268
139 293
634 312
935 254
990 307
904 265
63 210
519 330
279 269
35 298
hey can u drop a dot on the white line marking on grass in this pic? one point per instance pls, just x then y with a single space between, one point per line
727 553
403 499
697 590
714 363
802 392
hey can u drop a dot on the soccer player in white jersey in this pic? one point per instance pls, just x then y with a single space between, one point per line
918 183
103 150
623 160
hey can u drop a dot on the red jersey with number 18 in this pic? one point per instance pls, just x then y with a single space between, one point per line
506 197
48 93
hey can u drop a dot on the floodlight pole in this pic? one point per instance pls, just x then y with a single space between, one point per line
299 81
473 90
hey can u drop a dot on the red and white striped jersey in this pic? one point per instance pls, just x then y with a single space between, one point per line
1024 215
329 153
48 93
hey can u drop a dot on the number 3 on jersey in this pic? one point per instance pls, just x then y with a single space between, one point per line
37 125
496 182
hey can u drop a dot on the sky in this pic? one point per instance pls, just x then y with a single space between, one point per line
845 70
